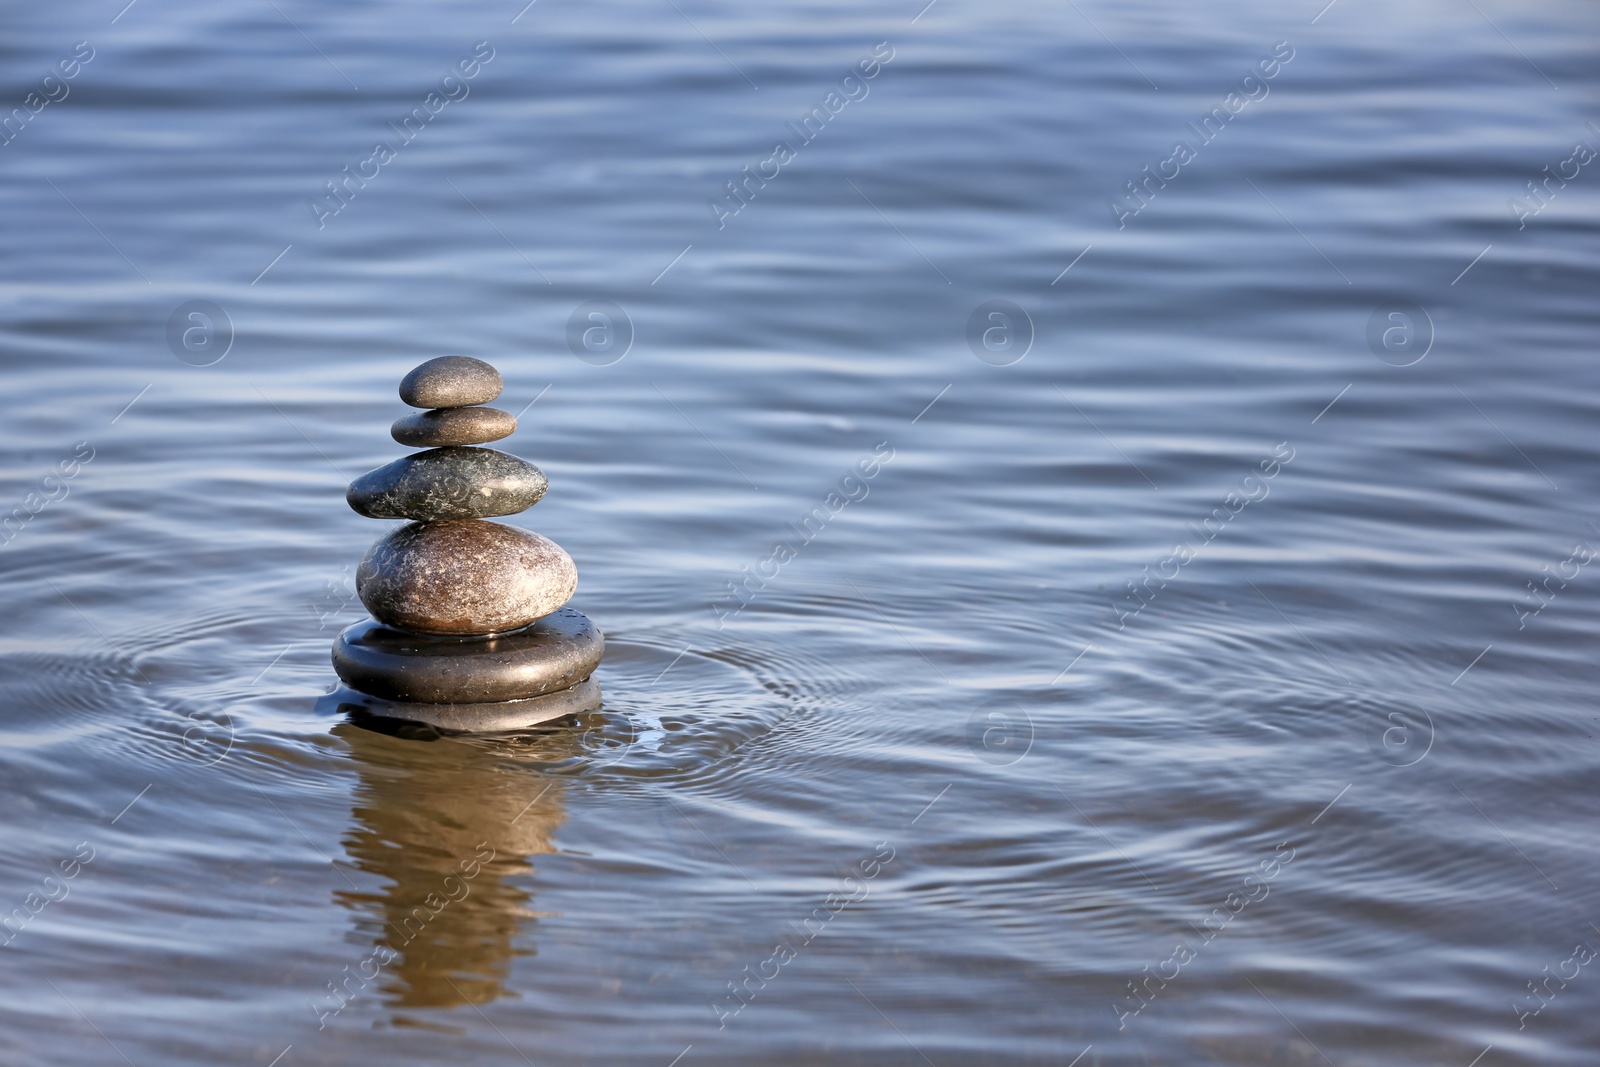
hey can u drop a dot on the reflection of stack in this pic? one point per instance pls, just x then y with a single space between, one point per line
449 838
470 632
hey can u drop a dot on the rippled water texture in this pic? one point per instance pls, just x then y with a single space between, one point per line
1060 612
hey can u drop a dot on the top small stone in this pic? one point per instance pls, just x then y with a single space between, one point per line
451 382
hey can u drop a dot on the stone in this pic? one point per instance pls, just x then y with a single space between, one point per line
393 715
451 382
464 577
453 426
554 653
448 483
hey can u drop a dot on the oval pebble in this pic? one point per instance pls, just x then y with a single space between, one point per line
465 577
451 382
453 426
448 483
557 652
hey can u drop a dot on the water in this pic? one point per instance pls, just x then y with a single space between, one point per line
938 786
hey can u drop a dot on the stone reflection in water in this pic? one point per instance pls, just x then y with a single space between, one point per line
448 827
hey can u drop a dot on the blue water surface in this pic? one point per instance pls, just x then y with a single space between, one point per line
1092 507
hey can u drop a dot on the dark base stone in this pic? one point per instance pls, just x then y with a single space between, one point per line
554 654
394 716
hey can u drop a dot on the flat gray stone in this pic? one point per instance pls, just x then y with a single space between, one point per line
453 426
555 653
448 483
465 577
451 382
378 713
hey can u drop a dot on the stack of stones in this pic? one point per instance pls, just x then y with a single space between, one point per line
469 630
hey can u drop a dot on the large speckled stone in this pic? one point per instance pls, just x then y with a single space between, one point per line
453 426
448 483
466 577
451 382
557 652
